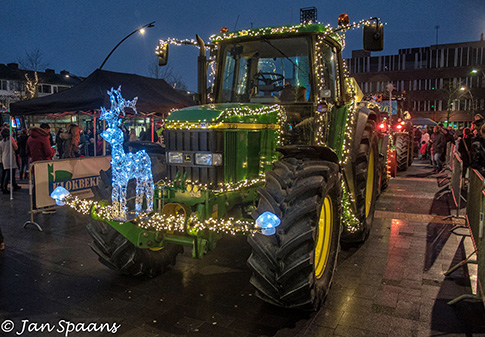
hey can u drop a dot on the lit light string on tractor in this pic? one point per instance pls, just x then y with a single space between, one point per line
233 115
349 220
163 222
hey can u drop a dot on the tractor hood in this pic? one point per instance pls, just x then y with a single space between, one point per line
211 114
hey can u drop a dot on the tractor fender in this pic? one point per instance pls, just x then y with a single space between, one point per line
309 151
364 114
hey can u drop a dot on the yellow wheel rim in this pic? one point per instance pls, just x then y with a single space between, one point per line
156 249
324 237
369 188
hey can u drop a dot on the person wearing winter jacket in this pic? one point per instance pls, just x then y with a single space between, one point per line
478 152
8 146
438 148
38 144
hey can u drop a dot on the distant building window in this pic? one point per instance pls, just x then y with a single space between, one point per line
3 85
15 86
45 89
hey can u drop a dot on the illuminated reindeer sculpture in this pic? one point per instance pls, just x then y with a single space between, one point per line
126 166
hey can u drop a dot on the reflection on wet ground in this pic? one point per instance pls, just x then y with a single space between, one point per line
393 285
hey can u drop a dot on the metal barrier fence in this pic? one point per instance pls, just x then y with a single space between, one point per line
450 149
455 164
456 181
474 215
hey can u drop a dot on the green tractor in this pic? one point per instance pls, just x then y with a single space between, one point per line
283 152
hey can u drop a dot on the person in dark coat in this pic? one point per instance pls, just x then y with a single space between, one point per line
477 123
60 143
24 158
39 146
438 148
464 147
478 152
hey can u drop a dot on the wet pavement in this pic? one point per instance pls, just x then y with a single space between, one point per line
393 285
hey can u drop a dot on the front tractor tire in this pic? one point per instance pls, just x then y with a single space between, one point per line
118 253
294 267
402 151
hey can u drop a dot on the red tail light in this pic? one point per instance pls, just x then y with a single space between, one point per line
399 126
382 126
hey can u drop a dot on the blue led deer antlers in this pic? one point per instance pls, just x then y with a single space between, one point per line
126 166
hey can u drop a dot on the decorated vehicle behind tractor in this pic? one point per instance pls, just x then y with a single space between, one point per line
284 152
397 124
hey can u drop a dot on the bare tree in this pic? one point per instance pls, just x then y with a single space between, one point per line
33 60
166 73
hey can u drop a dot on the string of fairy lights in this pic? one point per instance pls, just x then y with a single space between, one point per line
163 222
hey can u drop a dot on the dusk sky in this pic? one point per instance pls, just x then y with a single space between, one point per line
77 35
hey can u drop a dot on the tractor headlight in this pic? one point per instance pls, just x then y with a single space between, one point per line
208 159
175 157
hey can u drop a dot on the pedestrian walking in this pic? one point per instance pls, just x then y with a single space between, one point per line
464 147
438 148
8 146
422 150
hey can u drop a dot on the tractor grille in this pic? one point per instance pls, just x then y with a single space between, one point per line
190 142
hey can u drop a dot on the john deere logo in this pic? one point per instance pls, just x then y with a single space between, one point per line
64 179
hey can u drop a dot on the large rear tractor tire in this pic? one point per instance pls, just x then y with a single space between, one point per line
411 151
366 182
402 151
294 267
117 253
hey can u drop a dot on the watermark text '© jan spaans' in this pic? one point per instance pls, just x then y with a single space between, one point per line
62 327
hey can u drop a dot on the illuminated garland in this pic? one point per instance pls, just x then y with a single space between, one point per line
221 187
162 222
235 112
349 220
178 42
257 32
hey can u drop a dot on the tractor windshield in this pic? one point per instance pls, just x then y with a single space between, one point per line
266 71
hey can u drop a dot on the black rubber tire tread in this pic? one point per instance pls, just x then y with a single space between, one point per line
411 150
117 253
283 263
402 151
369 140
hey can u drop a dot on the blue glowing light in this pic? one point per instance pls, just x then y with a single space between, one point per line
59 195
126 166
268 222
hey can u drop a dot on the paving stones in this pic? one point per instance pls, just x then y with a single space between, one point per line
393 285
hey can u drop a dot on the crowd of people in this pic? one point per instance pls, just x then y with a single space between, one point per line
39 143
469 141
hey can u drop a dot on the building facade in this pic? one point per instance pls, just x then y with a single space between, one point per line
444 82
18 84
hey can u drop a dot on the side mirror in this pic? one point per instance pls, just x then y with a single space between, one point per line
373 37
162 53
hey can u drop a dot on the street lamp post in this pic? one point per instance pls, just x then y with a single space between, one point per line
141 29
